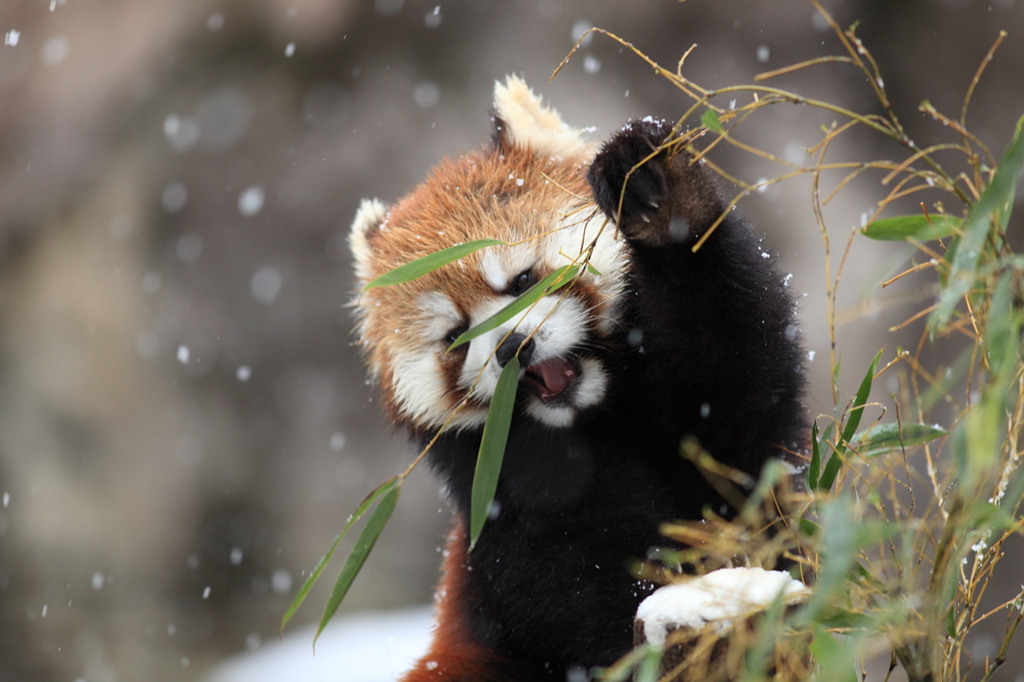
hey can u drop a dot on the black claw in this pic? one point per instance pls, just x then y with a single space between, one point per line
646 186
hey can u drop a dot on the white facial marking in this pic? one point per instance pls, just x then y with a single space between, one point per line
560 327
420 392
589 390
499 265
419 384
439 315
609 257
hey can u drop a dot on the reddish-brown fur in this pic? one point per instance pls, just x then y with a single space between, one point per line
453 653
668 334
435 216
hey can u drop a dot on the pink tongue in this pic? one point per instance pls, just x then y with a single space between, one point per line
555 373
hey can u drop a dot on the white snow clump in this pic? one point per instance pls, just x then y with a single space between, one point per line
720 597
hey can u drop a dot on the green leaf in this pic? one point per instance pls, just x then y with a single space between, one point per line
836 617
862 575
814 469
996 201
828 475
888 437
364 544
839 552
822 445
650 666
760 654
808 528
383 488
710 121
870 532
979 436
919 227
553 282
836 663
951 621
492 448
622 669
1002 333
855 413
592 270
835 382
421 266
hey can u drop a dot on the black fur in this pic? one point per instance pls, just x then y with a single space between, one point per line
709 350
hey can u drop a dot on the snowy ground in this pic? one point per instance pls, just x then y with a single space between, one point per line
369 647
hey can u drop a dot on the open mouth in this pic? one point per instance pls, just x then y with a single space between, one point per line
552 378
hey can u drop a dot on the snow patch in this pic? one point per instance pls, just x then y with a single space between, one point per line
370 647
720 597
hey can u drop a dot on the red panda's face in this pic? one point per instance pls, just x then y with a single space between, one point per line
529 189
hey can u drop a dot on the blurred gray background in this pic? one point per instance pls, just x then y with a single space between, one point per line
184 422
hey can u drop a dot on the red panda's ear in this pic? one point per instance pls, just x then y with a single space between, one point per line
368 220
522 120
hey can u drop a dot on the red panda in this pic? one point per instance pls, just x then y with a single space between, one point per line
653 343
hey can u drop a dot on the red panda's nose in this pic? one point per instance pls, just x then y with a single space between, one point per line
512 345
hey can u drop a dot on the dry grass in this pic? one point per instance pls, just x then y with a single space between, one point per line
903 532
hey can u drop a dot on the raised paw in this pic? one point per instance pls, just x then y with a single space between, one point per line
668 198
646 188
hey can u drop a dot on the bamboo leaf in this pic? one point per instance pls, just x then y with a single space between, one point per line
919 227
314 576
832 467
710 121
1002 333
835 383
855 413
861 574
828 475
649 669
888 437
808 528
492 448
421 266
837 617
836 663
553 282
980 433
870 532
364 544
839 552
622 669
995 203
814 469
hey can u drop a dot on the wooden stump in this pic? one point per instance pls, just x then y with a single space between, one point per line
708 626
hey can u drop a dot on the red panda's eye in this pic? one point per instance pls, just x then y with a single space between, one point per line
522 282
455 333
